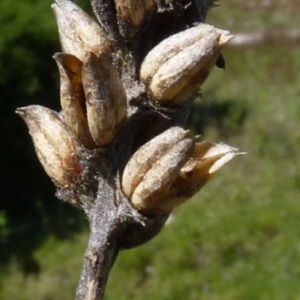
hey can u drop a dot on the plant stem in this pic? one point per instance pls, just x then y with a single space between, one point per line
102 250
98 261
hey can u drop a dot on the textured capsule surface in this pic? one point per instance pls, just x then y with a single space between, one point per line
79 33
105 98
174 69
72 97
157 181
53 142
143 159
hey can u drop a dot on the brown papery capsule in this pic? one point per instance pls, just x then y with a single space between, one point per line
157 181
54 144
175 68
131 15
207 159
148 154
79 33
72 97
105 98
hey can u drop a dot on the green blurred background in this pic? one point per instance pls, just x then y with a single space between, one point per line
239 238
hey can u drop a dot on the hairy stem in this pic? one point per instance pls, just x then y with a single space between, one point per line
98 261
103 246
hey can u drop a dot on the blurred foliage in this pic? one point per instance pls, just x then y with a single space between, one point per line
238 238
4 230
28 39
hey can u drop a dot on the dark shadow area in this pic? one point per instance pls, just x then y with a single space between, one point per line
226 115
32 213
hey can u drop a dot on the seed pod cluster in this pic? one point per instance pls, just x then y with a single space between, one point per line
170 168
93 98
174 69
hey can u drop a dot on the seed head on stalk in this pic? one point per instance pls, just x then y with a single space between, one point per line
118 149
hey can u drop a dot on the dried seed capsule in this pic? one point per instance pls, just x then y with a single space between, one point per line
207 159
72 97
79 33
54 145
105 98
175 68
143 159
158 180
131 15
